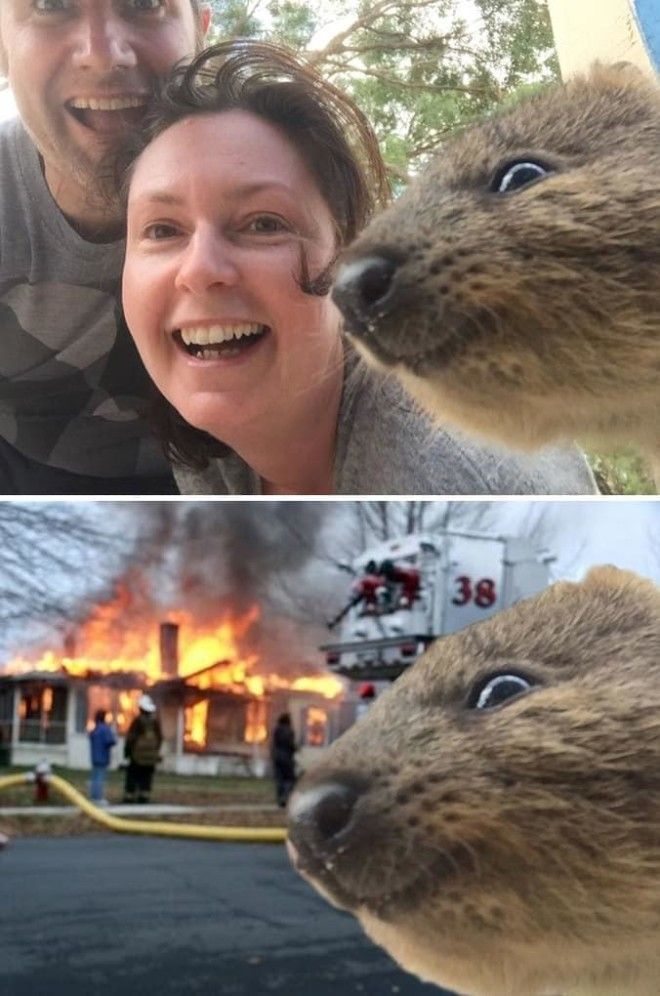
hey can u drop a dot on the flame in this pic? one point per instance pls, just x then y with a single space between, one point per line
256 729
316 726
106 643
326 685
123 635
119 707
195 717
209 653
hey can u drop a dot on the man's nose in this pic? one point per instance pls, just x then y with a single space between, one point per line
207 262
103 42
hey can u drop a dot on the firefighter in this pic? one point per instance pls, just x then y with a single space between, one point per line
366 694
368 589
283 750
408 578
142 750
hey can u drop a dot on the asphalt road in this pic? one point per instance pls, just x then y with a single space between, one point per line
135 916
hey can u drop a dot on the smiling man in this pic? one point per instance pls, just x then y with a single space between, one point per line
72 388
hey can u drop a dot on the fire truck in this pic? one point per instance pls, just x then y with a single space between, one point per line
409 591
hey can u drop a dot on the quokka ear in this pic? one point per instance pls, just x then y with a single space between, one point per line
630 73
611 577
617 74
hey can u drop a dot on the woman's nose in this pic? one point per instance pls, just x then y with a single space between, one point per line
103 43
207 262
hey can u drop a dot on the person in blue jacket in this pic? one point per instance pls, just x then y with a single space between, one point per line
101 741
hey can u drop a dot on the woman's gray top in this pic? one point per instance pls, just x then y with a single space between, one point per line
386 446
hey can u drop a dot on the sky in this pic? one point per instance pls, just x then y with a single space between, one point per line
622 532
577 534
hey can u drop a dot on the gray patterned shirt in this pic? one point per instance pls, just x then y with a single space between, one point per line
71 381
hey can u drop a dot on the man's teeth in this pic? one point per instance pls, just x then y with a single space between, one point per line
106 104
217 334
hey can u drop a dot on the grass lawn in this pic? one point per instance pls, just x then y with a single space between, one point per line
622 472
193 790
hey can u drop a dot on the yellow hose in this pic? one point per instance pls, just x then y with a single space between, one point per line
261 835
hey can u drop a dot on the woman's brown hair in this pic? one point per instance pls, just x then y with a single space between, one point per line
323 124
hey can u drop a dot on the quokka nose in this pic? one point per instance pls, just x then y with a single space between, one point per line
361 288
319 814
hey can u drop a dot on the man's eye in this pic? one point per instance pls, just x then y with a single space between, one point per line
145 6
52 6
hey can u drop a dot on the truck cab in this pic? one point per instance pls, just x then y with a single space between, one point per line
408 592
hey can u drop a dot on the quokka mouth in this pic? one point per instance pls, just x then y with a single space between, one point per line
384 900
423 362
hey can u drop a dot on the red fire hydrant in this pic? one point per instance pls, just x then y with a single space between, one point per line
41 773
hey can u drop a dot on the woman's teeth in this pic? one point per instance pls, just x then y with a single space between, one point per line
106 103
209 341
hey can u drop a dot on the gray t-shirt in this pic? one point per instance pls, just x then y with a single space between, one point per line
385 446
71 381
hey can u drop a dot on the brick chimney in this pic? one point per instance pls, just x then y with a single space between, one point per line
169 649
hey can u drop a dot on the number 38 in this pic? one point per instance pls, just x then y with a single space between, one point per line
481 592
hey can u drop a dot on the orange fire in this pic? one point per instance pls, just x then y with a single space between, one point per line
117 637
256 730
317 724
106 643
195 718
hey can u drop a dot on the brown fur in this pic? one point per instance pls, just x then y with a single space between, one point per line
534 316
512 851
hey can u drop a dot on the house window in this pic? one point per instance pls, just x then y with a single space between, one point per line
42 714
6 721
315 727
256 720
81 710
226 722
120 706
195 725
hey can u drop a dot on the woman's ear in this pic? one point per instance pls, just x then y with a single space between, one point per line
204 20
3 58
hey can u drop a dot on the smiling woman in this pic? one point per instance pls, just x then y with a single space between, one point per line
211 286
250 176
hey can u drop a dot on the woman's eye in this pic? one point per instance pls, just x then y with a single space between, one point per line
515 175
267 224
494 691
160 230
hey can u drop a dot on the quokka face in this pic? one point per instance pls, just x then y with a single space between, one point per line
494 819
515 287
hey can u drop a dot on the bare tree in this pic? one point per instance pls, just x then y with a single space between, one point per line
45 551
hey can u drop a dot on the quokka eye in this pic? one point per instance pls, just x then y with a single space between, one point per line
517 174
498 689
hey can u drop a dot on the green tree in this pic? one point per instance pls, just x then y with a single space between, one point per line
418 68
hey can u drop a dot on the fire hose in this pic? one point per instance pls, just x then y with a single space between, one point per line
255 835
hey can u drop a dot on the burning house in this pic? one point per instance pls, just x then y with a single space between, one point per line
216 701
